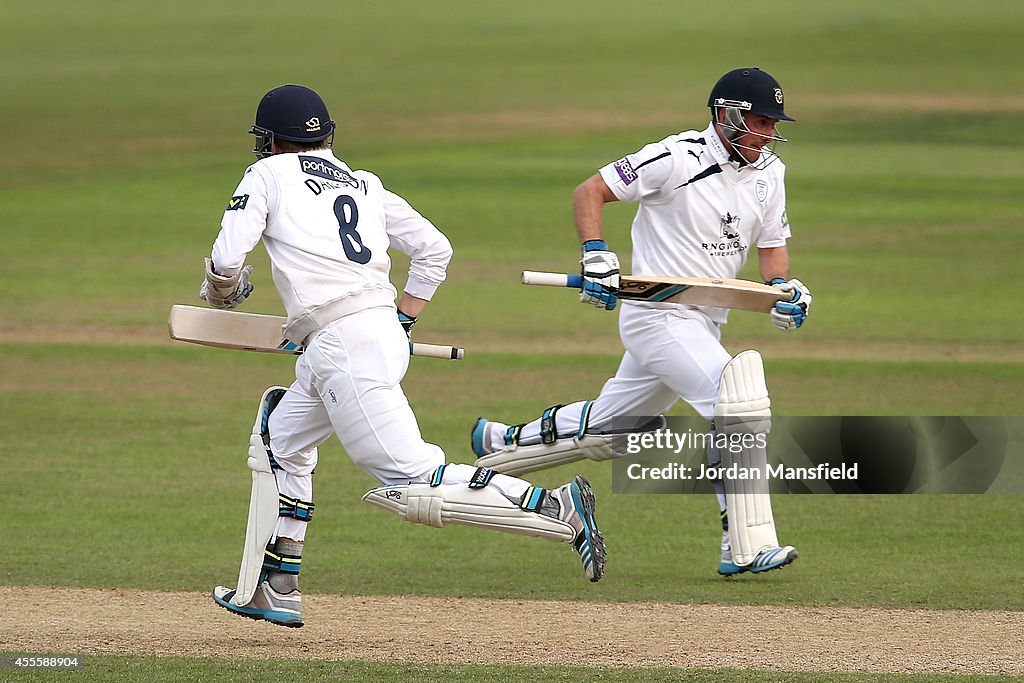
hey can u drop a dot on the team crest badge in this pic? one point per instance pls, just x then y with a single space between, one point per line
313 124
761 190
778 95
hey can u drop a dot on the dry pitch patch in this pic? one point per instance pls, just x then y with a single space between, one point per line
418 629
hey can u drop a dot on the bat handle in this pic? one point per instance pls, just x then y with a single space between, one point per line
531 277
436 351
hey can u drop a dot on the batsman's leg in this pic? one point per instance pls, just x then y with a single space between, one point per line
632 401
360 365
743 410
482 498
685 351
267 586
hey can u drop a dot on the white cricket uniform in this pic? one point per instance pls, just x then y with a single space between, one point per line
327 229
699 215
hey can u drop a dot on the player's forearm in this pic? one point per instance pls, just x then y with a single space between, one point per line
411 305
773 263
588 202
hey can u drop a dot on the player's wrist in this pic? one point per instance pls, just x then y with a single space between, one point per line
407 322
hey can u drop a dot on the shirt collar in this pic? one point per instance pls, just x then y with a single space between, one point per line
719 151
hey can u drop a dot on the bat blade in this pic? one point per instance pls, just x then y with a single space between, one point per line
742 295
258 332
230 330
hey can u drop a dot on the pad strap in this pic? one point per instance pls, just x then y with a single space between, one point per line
292 507
481 478
584 419
533 499
281 562
512 434
548 426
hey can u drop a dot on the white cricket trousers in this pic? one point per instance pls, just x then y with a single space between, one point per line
671 353
347 382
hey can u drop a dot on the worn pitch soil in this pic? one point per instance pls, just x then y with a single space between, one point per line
419 629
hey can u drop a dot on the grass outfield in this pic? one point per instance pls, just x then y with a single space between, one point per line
123 453
144 669
167 479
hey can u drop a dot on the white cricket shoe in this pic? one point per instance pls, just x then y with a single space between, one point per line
577 508
283 609
765 561
481 437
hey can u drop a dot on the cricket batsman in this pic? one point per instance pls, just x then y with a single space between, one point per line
327 229
706 199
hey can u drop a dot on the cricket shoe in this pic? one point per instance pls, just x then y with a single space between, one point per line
266 605
481 437
765 561
576 500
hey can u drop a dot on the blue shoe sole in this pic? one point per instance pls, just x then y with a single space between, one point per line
731 569
273 616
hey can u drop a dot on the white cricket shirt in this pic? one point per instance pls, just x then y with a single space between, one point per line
327 230
700 214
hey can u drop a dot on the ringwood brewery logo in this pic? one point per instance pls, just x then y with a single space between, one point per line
730 241
730 226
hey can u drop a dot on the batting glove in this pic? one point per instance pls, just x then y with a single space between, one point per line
791 314
600 269
407 321
225 291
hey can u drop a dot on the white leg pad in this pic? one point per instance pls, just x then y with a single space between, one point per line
438 506
518 460
263 513
744 407
743 391
262 520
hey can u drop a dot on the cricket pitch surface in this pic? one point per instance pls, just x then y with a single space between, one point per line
605 634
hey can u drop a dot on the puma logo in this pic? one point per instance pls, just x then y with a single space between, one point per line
695 155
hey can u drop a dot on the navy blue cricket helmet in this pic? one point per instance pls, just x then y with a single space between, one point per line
749 89
293 113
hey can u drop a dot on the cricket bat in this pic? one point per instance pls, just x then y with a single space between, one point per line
742 295
258 332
